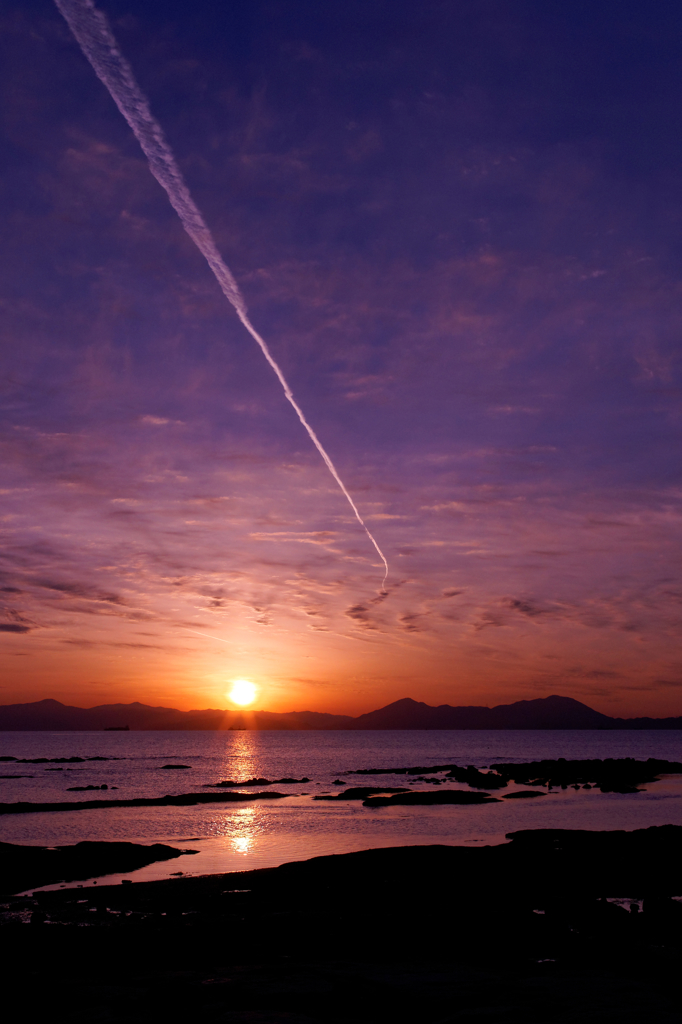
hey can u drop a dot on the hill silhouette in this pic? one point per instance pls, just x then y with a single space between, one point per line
554 712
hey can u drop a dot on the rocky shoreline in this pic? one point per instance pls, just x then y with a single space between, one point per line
26 867
555 925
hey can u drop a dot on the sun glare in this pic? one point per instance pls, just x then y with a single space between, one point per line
243 692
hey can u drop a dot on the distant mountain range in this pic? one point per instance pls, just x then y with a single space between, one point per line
543 713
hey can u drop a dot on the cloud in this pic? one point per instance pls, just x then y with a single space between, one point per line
487 620
409 621
321 538
527 608
80 590
360 614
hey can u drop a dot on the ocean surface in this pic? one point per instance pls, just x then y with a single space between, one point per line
237 837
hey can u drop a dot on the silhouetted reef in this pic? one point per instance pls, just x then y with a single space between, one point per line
520 794
554 712
509 934
179 800
610 775
359 793
470 775
24 867
87 789
229 783
536 865
448 796
56 760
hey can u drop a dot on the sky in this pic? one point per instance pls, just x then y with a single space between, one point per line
458 225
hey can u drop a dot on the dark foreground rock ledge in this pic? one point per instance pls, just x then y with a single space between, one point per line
26 867
517 933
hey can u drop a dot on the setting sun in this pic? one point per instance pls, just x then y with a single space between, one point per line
243 692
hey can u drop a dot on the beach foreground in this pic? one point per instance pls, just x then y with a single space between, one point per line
525 931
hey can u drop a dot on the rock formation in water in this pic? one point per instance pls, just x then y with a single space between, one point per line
24 867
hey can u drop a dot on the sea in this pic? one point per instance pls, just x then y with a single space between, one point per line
258 834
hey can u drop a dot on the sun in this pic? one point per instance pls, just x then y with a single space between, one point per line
243 692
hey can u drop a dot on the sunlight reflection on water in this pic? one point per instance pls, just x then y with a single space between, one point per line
242 828
263 834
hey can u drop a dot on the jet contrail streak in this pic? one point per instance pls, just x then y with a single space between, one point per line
96 40
206 634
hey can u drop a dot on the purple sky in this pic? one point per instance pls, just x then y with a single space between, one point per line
459 227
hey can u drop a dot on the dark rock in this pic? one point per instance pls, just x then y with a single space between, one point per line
359 793
470 775
231 784
612 775
58 760
178 800
521 793
369 936
23 867
476 779
450 796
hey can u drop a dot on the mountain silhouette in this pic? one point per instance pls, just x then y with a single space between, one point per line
544 713
553 712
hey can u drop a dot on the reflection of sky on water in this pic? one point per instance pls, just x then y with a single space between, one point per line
237 837
241 757
268 834
243 829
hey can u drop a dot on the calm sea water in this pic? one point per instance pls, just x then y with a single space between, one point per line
264 834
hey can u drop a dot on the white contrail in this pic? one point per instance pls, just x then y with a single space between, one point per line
210 637
96 40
